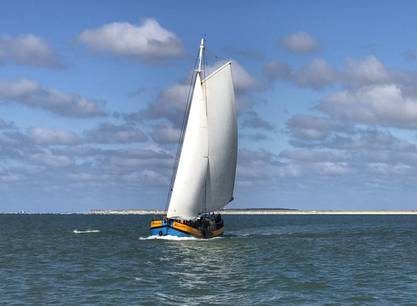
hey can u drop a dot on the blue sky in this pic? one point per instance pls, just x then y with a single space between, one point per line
92 94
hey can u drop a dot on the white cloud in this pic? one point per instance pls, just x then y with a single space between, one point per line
379 168
317 74
251 119
27 50
300 42
31 94
165 134
149 41
274 70
365 71
331 168
376 105
44 136
108 133
306 127
242 80
170 104
52 160
313 156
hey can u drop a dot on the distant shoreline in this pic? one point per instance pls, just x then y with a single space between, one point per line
251 211
265 212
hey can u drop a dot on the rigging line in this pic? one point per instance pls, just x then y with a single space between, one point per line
181 139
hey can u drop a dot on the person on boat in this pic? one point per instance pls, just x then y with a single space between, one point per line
218 218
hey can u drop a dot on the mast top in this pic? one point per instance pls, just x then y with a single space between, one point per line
200 55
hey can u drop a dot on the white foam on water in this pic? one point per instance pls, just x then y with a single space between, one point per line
168 237
176 238
85 231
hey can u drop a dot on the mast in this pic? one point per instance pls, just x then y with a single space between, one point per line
200 71
200 56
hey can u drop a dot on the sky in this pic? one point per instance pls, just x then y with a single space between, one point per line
92 95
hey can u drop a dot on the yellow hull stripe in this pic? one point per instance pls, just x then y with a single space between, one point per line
186 228
156 223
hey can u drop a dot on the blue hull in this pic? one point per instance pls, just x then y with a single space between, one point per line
166 230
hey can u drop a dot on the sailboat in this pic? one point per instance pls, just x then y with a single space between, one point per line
205 168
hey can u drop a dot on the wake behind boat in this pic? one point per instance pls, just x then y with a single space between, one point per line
205 168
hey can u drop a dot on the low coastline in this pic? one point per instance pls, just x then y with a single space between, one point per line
265 212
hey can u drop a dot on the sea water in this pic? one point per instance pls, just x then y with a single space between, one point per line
261 260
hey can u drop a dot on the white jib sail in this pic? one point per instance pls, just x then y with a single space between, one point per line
189 189
222 138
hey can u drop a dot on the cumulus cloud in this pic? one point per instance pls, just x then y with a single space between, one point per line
262 167
355 73
52 160
44 136
274 70
308 155
48 159
12 139
366 71
149 40
169 105
376 105
364 155
108 133
300 42
372 95
307 127
242 79
165 134
27 50
339 144
357 141
371 140
251 119
31 94
317 74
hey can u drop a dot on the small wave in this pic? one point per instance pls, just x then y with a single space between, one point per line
85 231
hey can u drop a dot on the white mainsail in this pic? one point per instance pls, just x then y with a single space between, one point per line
206 170
188 191
222 134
